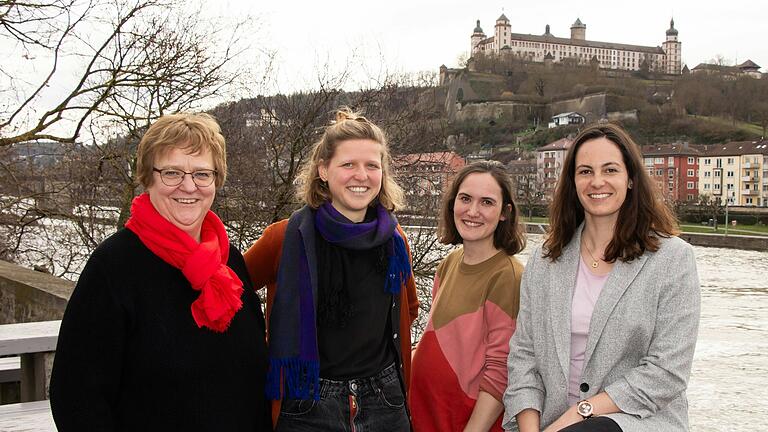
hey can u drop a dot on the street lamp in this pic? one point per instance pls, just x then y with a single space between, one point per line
727 200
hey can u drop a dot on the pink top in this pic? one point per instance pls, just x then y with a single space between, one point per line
585 294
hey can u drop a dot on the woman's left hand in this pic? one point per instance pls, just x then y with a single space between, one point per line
568 418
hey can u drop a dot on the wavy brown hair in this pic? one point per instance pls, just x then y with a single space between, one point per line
349 125
642 219
509 232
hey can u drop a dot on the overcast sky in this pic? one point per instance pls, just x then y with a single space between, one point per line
418 35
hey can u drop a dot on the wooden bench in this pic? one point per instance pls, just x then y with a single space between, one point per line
34 343
27 417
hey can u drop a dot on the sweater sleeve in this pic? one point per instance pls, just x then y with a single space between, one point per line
263 257
499 313
86 375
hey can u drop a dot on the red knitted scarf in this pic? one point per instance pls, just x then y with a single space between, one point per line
204 264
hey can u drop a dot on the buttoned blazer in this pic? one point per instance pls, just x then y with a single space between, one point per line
640 345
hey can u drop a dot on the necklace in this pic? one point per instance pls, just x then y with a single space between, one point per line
595 262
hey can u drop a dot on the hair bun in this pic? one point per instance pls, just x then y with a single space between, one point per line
346 113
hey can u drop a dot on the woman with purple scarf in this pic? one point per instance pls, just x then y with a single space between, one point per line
340 291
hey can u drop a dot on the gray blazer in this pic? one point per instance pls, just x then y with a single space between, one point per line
640 345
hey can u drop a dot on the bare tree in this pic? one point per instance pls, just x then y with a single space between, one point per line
134 60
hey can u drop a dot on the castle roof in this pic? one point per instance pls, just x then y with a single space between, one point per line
586 43
578 23
672 30
478 29
749 64
502 18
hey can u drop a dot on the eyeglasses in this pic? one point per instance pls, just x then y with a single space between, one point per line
174 177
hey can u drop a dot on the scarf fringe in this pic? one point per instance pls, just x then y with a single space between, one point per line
399 267
292 378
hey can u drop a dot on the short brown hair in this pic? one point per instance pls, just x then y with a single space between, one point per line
349 125
509 232
192 132
643 217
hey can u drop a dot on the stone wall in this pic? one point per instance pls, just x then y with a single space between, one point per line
27 295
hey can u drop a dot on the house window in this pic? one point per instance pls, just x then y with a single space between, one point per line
690 173
689 185
690 161
707 174
689 197
659 172
706 186
749 200
730 161
717 186
707 161
717 173
729 174
671 161
659 160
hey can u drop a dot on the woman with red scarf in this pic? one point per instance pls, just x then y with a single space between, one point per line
163 330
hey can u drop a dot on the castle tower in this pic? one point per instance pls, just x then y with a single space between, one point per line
502 34
578 30
672 54
477 37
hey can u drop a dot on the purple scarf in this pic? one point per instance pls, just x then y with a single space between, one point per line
294 371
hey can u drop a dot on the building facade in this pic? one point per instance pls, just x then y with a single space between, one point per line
549 165
675 169
609 55
736 172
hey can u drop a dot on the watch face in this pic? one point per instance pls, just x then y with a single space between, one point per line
584 408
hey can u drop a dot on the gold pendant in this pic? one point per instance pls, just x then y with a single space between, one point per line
594 264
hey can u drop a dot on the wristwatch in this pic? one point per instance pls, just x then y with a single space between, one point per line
584 408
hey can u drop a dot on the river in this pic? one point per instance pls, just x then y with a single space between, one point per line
728 390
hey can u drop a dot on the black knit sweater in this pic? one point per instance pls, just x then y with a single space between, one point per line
131 358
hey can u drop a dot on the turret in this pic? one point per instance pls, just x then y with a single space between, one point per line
578 30
502 33
477 37
672 54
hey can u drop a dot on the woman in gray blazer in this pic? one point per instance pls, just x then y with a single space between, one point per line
609 306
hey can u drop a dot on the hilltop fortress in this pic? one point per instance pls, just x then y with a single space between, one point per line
607 55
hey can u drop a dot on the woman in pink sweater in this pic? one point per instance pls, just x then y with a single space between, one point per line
459 368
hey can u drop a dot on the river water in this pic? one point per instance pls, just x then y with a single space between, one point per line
728 389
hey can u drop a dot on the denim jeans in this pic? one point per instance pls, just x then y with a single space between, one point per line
374 404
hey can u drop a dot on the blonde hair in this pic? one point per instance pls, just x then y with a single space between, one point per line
348 125
192 132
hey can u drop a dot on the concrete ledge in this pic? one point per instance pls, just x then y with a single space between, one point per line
27 295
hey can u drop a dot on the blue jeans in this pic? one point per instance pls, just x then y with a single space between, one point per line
374 404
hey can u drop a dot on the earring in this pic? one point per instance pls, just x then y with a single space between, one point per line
629 186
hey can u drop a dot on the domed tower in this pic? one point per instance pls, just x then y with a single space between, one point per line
672 54
477 37
578 30
502 34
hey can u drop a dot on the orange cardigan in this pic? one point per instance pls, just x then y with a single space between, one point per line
263 259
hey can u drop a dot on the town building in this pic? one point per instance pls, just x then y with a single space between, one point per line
748 68
675 169
524 179
735 171
666 58
565 119
549 164
424 177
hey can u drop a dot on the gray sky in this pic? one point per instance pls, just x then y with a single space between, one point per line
421 35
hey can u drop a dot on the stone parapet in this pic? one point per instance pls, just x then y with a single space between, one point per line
27 295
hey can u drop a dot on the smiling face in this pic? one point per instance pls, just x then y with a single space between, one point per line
186 204
354 176
477 209
601 179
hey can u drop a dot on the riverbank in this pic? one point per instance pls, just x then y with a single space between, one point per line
746 242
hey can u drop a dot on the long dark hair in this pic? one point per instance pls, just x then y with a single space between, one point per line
509 232
643 217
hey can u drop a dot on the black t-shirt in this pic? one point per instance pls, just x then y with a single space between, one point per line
357 343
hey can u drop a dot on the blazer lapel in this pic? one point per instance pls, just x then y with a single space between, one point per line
563 281
621 277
